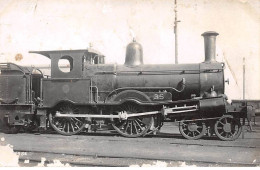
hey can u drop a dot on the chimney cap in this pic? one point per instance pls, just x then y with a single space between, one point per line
209 33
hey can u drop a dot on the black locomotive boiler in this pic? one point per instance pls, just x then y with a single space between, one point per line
135 99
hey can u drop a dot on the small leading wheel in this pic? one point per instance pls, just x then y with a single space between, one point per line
67 125
192 130
133 126
228 128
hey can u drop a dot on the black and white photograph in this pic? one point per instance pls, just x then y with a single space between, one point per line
129 83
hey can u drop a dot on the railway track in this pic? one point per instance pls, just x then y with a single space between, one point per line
108 149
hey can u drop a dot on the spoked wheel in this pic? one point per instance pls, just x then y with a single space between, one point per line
228 128
133 126
67 125
192 130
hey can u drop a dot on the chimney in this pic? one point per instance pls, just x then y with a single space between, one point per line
210 46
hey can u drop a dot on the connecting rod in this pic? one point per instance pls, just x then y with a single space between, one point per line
124 115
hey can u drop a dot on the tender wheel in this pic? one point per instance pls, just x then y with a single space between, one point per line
30 127
65 125
11 129
192 130
228 128
134 126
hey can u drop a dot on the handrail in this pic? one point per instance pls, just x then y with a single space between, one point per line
2 66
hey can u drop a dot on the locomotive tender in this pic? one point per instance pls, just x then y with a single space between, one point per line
134 98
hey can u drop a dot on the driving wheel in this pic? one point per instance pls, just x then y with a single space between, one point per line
67 125
133 126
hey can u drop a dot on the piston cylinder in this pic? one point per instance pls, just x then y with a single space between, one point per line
210 46
212 107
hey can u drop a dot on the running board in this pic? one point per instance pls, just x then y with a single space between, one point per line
123 115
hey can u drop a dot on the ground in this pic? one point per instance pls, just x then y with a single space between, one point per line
168 148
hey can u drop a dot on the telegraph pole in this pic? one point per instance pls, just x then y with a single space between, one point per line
176 31
244 82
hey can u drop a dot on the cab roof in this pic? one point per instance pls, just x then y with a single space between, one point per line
49 53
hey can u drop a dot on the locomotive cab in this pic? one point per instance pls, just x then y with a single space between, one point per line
93 57
67 76
72 60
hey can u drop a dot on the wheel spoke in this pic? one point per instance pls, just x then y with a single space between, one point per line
142 125
131 128
75 123
139 120
64 125
221 123
76 119
138 124
232 135
72 127
126 126
68 127
135 127
123 125
61 109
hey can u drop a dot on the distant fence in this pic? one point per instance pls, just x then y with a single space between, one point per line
254 103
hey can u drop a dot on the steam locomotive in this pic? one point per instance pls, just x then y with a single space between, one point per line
134 99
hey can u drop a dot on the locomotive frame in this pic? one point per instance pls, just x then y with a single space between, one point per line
135 99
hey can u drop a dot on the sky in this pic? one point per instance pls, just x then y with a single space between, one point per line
109 25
